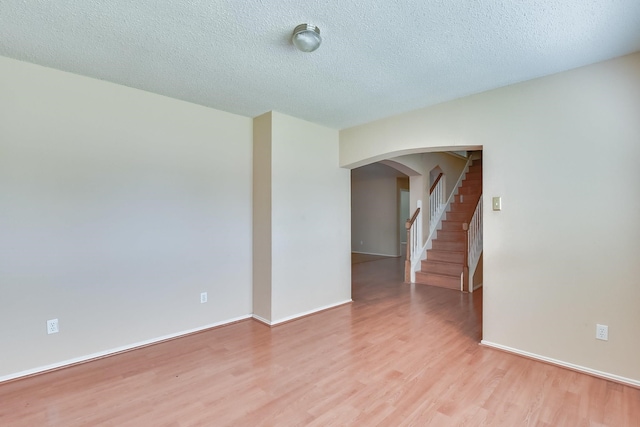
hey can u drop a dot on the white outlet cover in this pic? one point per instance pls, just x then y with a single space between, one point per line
52 326
203 297
602 332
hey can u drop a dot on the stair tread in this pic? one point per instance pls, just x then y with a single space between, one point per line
438 280
446 253
437 261
452 245
449 256
444 268
462 207
444 275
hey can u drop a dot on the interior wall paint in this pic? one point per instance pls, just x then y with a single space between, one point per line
562 151
374 210
117 208
451 166
412 167
262 272
405 214
311 217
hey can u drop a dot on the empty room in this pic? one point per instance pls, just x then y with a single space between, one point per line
323 214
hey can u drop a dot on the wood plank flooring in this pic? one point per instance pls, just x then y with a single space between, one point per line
400 355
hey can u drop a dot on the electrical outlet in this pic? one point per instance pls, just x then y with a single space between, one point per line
52 326
602 332
203 297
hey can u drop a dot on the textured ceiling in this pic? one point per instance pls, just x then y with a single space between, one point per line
378 57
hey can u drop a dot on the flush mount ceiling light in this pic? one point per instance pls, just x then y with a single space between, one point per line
306 37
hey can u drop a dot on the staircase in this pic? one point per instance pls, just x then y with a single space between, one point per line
445 259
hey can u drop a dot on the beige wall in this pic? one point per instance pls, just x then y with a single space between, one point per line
309 217
452 167
562 152
117 208
374 210
262 271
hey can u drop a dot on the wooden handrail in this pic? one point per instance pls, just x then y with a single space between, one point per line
410 222
436 182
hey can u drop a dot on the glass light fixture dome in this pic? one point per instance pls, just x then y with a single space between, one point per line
306 37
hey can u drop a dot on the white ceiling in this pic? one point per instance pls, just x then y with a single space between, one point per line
378 57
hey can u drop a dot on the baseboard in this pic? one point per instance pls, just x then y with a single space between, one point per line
577 368
300 315
373 253
261 319
117 350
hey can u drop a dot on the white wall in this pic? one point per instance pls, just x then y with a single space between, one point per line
374 210
309 217
117 208
562 255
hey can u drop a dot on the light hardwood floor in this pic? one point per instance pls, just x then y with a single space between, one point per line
400 355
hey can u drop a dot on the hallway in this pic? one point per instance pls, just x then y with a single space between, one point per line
379 286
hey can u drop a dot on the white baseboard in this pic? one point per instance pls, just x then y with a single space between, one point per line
578 368
372 253
116 350
299 315
261 319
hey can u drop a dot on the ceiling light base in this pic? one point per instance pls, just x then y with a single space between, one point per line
306 37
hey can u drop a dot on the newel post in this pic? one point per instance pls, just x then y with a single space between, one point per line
407 261
412 239
465 265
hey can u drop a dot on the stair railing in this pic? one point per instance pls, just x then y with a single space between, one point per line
414 243
433 225
436 221
436 202
473 247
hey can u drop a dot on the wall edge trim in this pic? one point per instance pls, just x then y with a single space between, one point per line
377 254
582 369
261 319
310 312
114 351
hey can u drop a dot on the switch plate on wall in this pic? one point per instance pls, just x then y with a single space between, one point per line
203 297
497 203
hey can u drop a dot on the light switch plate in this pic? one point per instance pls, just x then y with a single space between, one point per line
497 203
